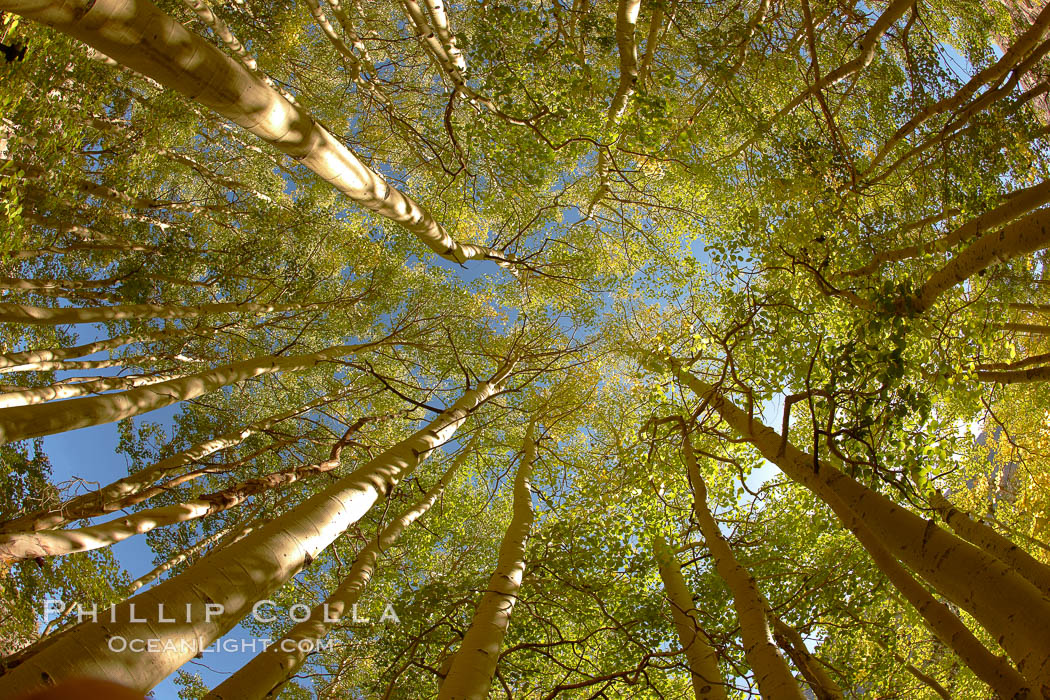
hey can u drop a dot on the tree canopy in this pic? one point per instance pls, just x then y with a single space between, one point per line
638 349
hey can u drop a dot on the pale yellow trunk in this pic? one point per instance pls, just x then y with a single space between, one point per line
474 663
51 543
771 672
114 496
823 686
53 315
1013 610
266 674
993 543
22 422
139 35
708 681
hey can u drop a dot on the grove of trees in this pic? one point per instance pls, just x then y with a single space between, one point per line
626 349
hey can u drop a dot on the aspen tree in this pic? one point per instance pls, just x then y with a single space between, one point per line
116 495
66 390
1021 237
771 672
962 573
267 673
473 665
626 21
708 681
142 37
159 570
811 668
20 422
51 543
992 542
221 588
32 360
18 313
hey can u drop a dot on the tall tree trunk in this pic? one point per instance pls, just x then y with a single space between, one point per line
222 537
52 543
267 673
1014 204
31 396
1021 237
992 542
22 422
219 590
994 670
708 681
771 672
788 638
58 315
30 360
114 496
139 35
474 664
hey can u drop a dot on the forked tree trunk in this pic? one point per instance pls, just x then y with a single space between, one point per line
708 681
788 638
771 672
992 542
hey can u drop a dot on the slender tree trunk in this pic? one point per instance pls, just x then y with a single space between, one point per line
22 422
1024 44
708 681
267 673
626 22
788 638
1014 205
115 496
992 542
1012 609
185 554
474 664
66 390
54 315
994 670
52 543
771 672
139 35
31 360
221 588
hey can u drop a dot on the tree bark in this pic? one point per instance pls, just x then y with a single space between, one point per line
788 638
114 496
474 664
50 315
22 422
139 35
52 543
992 542
1019 238
708 681
1013 610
